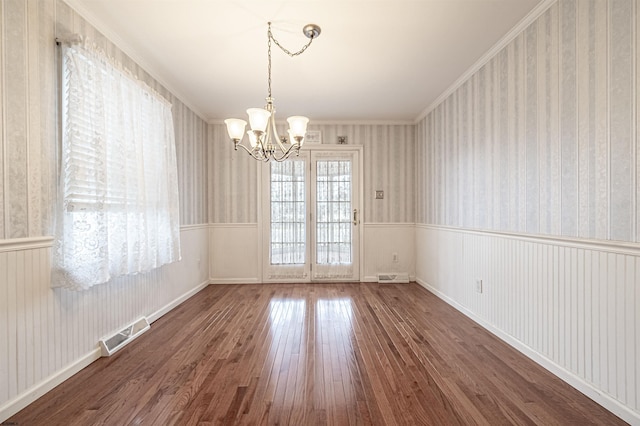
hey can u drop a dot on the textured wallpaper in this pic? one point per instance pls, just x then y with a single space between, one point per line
233 177
542 139
28 123
388 165
28 120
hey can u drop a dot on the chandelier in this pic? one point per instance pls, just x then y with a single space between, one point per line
264 142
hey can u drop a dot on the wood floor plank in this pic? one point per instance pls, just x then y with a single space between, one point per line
315 354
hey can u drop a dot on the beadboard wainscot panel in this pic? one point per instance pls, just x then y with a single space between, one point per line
50 334
569 304
235 255
388 164
381 241
233 244
527 177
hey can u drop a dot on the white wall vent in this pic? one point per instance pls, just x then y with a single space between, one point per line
114 343
393 277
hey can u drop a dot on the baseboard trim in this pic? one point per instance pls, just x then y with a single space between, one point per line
13 406
169 306
215 281
611 404
374 279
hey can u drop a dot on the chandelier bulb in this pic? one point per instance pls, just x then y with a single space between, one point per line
258 119
298 125
235 128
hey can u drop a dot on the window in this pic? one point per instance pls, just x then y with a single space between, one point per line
333 207
117 211
288 215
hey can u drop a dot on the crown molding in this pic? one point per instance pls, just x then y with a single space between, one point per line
341 123
128 50
534 14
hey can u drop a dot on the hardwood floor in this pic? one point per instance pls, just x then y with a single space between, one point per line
314 354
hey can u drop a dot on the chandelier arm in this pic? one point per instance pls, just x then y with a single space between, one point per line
267 136
272 123
282 148
249 151
286 154
259 155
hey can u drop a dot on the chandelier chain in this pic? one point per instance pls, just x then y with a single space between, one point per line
264 142
269 53
284 49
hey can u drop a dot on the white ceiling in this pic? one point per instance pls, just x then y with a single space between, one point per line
384 60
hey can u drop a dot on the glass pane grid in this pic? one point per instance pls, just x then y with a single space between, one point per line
333 207
288 225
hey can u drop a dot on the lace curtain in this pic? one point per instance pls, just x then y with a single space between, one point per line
288 213
117 210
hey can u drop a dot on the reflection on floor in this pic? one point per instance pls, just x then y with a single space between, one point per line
306 354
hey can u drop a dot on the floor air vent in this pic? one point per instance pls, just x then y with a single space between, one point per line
393 277
114 343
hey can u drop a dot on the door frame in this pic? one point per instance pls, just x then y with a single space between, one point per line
263 173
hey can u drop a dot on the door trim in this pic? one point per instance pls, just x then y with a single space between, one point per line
263 169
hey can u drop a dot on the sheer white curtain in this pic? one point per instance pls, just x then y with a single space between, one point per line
117 211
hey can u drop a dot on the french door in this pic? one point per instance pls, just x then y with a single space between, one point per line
311 217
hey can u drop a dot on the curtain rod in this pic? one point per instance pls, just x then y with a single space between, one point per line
69 39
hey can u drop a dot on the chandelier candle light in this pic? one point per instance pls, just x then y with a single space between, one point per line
265 144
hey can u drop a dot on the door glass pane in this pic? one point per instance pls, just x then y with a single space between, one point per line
333 207
288 213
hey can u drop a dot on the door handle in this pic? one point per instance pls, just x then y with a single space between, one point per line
355 217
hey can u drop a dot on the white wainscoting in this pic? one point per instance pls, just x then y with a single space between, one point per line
47 335
235 256
570 305
381 241
233 244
